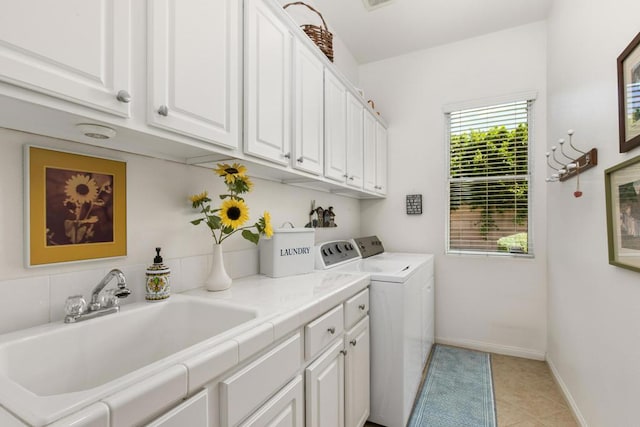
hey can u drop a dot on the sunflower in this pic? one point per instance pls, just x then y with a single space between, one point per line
268 228
196 199
234 213
231 172
81 189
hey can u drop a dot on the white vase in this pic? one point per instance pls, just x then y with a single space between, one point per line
218 279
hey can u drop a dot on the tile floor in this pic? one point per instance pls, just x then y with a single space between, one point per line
526 394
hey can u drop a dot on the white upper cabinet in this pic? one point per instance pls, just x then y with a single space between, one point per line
194 73
381 159
335 128
267 108
309 111
369 136
355 142
75 50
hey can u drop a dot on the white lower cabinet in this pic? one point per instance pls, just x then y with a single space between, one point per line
318 376
356 381
192 412
285 409
244 391
325 389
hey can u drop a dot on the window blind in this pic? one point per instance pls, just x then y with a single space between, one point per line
489 179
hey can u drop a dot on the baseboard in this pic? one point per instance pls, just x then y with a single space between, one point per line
493 348
567 395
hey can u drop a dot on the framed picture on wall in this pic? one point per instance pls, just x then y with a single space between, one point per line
75 207
622 186
629 96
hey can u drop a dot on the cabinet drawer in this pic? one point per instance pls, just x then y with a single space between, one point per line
241 394
322 331
355 308
193 412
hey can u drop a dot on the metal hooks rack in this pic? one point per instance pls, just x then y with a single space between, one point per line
567 167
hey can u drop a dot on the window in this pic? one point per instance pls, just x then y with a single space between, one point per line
489 179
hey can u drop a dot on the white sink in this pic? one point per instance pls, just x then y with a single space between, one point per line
76 357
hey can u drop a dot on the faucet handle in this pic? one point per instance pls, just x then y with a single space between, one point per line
75 305
109 298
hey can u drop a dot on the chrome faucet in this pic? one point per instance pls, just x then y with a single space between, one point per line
102 302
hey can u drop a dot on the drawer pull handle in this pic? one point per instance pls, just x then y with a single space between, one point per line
331 330
362 306
344 352
353 342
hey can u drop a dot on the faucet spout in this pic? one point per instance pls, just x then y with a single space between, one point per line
122 291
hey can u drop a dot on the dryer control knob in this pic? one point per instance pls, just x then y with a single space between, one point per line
338 249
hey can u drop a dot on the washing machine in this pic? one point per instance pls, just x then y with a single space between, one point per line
401 319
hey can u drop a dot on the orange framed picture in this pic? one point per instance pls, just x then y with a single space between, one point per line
75 207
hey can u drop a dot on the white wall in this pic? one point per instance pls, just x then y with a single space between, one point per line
158 214
491 303
594 308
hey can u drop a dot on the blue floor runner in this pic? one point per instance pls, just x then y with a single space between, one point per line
457 391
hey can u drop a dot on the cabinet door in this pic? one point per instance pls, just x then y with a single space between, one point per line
355 141
357 375
309 111
267 83
75 50
369 136
325 389
193 412
335 131
195 68
285 409
381 159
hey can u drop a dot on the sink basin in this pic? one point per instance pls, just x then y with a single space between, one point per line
81 356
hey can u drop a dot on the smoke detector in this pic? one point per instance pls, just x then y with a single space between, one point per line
375 4
96 131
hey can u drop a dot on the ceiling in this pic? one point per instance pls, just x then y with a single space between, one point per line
407 25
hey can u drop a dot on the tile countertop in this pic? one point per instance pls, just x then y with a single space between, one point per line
282 304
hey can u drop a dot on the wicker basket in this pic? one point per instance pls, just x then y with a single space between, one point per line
319 35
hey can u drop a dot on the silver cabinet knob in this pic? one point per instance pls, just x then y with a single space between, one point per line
123 96
362 306
353 342
344 352
331 330
345 176
287 155
351 178
163 110
300 159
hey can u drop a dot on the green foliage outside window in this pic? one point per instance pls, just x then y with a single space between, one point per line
500 157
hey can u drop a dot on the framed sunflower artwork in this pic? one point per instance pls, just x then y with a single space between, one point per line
75 207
